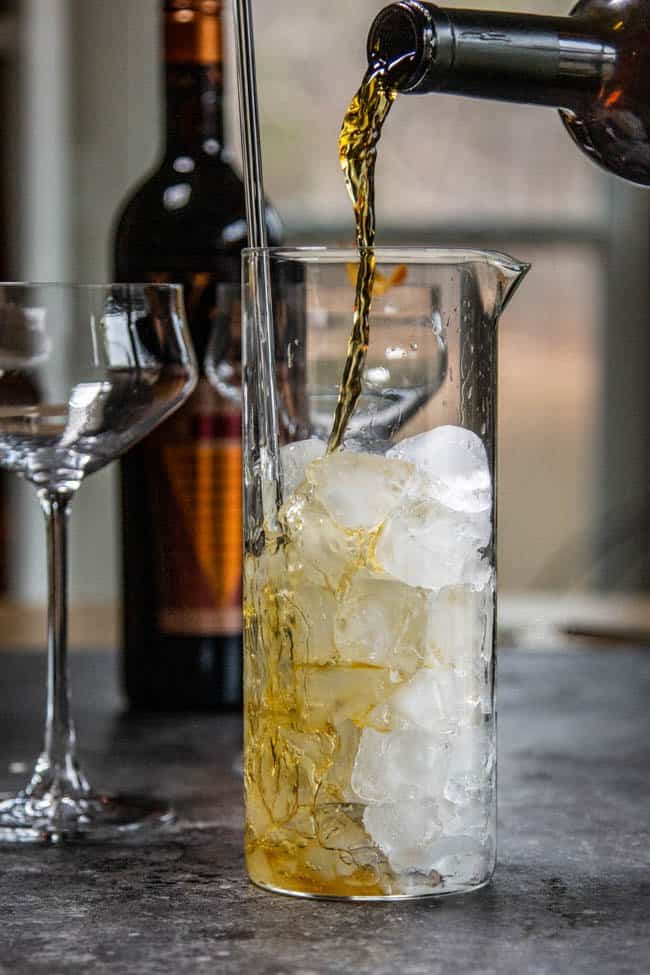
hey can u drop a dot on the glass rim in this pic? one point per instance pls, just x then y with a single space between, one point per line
421 254
92 286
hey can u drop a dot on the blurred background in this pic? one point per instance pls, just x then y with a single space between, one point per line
80 95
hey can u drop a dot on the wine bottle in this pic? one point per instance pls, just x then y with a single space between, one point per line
594 66
181 487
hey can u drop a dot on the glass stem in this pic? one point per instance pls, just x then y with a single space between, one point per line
57 767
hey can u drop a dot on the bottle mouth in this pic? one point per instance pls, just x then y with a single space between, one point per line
400 40
413 42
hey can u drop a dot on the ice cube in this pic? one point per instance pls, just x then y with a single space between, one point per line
317 549
359 490
477 693
264 574
471 764
411 836
460 633
295 458
464 859
274 777
308 755
459 625
455 463
331 694
339 827
398 765
470 818
336 784
309 612
424 543
431 700
381 621
405 832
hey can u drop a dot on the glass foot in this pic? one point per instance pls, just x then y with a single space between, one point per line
51 818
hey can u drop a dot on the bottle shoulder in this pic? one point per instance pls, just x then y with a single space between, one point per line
200 209
171 195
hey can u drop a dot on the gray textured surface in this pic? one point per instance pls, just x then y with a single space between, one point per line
571 894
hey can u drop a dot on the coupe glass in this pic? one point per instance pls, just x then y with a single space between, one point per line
85 372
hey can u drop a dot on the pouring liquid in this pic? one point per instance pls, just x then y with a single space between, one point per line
360 134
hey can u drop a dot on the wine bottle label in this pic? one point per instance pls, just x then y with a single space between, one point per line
194 478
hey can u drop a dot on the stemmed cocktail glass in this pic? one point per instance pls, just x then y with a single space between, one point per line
85 372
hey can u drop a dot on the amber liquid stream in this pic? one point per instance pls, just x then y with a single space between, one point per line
360 134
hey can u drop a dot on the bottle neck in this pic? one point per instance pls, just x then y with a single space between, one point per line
193 78
524 58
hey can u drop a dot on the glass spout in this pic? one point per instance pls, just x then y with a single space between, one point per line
509 274
491 280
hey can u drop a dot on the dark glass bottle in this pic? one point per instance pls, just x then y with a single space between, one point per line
593 65
181 487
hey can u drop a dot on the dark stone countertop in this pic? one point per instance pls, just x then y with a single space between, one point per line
571 893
